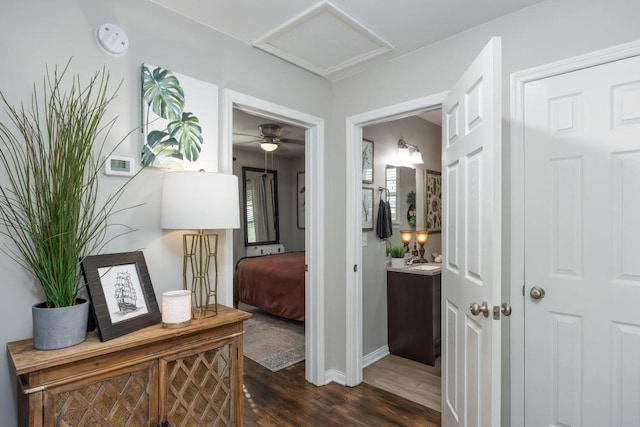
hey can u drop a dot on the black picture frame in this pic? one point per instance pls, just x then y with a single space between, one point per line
121 293
300 193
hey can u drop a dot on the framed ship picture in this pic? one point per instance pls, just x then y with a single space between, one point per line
122 297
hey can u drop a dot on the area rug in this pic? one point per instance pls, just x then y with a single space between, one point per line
272 341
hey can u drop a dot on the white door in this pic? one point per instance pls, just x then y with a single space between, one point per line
471 164
582 247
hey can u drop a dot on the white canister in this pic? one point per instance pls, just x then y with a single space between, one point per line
397 263
176 309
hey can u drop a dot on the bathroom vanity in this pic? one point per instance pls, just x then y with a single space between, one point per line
413 312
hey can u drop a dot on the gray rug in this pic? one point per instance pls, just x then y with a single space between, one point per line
272 341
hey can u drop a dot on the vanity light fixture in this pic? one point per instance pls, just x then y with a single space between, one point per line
408 154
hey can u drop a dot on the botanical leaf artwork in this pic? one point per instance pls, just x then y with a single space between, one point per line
367 209
367 161
173 131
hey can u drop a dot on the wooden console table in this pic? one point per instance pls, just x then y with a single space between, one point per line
151 377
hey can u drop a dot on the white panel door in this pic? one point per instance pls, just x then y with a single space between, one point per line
471 244
582 247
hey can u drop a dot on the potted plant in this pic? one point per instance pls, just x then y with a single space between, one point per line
52 152
397 254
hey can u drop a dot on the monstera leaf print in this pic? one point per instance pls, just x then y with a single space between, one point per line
188 134
159 142
181 138
162 92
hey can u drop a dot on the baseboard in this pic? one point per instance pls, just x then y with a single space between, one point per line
335 376
375 355
339 377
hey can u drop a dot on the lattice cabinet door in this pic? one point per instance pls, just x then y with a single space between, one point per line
196 388
119 398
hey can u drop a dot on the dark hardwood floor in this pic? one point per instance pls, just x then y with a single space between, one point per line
284 398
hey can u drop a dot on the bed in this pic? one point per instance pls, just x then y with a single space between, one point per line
272 283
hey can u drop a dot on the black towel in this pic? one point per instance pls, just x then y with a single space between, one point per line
383 222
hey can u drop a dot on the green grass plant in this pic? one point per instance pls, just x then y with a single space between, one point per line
51 154
397 251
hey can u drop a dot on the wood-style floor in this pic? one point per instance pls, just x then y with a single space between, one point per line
418 382
285 398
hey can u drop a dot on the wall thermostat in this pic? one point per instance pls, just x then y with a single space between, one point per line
119 166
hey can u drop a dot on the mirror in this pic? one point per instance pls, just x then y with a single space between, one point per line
401 183
260 206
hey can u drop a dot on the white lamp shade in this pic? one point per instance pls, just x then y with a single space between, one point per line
416 158
199 201
403 155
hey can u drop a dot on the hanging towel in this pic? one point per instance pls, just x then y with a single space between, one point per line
383 222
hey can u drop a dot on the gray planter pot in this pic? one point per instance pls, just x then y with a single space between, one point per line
59 327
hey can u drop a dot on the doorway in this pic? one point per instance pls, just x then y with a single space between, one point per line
314 201
404 184
354 294
472 225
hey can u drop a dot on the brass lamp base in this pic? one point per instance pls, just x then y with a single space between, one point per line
199 251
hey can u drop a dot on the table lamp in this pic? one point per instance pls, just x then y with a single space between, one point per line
200 201
405 236
421 238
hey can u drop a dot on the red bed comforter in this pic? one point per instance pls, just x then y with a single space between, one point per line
273 283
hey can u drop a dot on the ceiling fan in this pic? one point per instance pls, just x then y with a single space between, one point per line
270 137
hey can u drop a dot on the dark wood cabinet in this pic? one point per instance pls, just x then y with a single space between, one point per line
413 315
151 377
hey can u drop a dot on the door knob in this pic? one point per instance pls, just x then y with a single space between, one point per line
506 309
477 309
537 292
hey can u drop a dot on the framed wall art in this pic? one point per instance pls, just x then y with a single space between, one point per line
433 201
367 209
367 161
178 118
121 293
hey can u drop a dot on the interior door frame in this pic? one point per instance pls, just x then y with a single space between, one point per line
518 82
353 235
314 204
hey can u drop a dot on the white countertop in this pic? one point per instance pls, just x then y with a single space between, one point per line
428 269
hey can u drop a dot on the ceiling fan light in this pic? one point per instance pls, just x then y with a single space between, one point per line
269 146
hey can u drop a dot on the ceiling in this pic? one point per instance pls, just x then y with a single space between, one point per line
338 38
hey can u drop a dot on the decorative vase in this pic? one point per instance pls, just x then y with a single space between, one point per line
59 327
397 262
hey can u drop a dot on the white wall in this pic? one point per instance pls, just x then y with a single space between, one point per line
385 136
547 32
36 33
